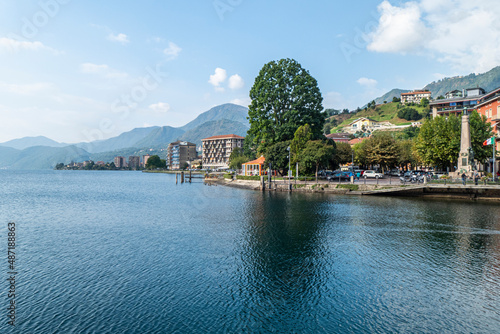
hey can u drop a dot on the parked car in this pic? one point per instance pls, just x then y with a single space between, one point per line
373 174
339 175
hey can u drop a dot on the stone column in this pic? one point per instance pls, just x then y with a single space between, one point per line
464 165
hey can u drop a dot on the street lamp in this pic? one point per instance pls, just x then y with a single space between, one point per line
289 159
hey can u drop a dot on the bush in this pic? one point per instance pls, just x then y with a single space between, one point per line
410 114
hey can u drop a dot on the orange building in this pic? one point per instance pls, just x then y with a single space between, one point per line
489 106
254 167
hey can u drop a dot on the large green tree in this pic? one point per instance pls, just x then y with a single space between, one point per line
381 149
438 142
317 153
284 97
277 155
344 153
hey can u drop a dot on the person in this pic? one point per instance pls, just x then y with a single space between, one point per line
464 177
358 174
476 177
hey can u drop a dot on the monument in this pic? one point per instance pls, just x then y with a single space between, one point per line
466 156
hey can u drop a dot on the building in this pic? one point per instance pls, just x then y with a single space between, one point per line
489 106
179 153
456 102
254 167
145 159
134 161
415 96
339 137
362 123
217 149
120 162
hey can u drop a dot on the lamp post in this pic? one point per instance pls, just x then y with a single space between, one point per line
289 170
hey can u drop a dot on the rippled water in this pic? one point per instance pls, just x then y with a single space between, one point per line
128 252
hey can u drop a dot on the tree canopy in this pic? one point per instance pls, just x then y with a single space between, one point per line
438 142
277 155
284 97
154 161
317 153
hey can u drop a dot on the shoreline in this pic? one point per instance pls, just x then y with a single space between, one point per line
453 191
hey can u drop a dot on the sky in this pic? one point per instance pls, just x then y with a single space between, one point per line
78 71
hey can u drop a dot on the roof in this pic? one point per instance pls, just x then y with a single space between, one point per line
182 142
362 118
258 161
456 99
356 140
231 136
417 92
488 97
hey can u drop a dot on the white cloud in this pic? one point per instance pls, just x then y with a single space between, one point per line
102 70
400 29
14 46
120 38
172 51
463 34
236 82
367 82
160 107
242 102
27 89
218 77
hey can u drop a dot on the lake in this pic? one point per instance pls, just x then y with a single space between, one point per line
132 252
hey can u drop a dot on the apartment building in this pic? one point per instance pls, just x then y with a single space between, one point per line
457 101
217 149
134 161
415 96
179 153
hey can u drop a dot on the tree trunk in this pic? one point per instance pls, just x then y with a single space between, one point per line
317 166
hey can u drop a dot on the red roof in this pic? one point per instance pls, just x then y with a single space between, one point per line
417 92
231 136
258 161
356 140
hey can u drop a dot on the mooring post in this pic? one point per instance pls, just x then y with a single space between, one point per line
176 176
182 177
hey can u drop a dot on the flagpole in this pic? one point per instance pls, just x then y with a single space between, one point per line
494 144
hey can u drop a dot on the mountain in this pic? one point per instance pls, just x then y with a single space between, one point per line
489 81
40 157
126 139
44 153
22 143
215 128
160 137
228 111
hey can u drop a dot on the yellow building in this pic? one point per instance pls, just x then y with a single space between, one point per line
367 123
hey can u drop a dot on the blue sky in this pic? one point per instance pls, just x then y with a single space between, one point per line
84 70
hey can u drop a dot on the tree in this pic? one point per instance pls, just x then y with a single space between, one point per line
299 141
345 111
405 153
284 97
317 153
438 142
237 158
277 155
344 153
480 130
60 165
440 97
381 149
409 114
395 99
424 102
154 161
